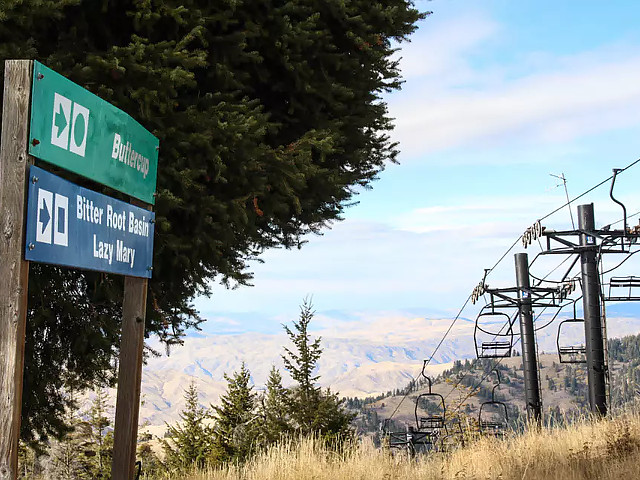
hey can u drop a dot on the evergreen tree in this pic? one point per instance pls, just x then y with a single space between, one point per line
301 365
101 439
188 444
236 420
274 410
152 466
72 335
331 420
270 117
29 463
311 409
69 457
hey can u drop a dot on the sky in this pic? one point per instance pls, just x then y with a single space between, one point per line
499 96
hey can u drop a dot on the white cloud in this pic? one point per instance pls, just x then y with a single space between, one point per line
451 100
481 217
439 51
370 266
550 107
429 257
224 320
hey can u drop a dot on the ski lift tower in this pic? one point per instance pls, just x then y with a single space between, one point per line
591 244
524 298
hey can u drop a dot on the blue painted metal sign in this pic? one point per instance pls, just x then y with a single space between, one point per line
76 227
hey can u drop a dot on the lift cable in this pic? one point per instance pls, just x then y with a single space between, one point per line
511 322
613 268
553 319
569 203
499 261
544 279
589 190
473 390
505 254
622 219
426 364
540 280
502 358
499 361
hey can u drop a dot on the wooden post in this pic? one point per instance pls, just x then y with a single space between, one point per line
134 308
14 270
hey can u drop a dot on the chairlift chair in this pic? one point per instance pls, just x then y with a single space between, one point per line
421 441
570 353
409 441
397 439
498 423
624 289
501 343
393 440
430 422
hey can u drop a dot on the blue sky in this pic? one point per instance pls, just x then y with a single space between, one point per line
498 95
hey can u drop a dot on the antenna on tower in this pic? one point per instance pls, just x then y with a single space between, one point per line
566 192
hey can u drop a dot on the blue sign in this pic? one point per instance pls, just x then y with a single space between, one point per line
76 227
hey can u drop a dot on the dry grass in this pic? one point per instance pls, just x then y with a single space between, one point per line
603 450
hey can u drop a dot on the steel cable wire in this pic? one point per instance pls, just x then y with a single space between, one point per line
589 190
540 280
496 265
432 355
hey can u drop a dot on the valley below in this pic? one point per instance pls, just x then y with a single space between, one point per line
363 359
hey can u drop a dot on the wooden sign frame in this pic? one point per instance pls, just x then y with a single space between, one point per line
15 162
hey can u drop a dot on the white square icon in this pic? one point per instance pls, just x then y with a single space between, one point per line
61 120
52 218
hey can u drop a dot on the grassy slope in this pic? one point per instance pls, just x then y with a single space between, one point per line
603 450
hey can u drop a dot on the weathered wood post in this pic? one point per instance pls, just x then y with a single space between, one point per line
129 378
14 270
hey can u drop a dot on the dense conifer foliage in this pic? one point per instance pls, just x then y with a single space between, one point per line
236 422
273 409
189 442
269 116
245 423
311 410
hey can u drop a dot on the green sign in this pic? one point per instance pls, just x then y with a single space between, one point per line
76 130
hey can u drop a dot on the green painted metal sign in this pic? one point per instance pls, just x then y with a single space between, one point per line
76 130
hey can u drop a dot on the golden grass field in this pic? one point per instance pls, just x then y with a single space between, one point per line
603 450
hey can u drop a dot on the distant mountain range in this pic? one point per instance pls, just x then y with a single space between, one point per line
359 359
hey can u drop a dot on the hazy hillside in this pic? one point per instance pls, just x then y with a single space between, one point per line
360 359
563 388
353 367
